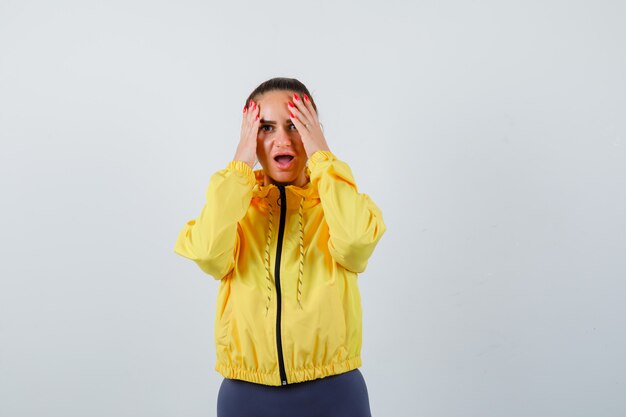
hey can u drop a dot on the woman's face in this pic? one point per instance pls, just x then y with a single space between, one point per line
278 136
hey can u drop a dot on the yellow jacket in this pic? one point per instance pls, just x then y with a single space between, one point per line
288 305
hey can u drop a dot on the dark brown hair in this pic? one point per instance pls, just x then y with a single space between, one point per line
282 84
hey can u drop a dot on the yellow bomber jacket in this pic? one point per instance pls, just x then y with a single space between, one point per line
288 306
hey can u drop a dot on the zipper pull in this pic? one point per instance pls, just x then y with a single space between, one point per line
279 200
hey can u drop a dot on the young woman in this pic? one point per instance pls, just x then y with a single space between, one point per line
286 243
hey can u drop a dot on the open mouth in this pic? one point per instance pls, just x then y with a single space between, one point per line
283 161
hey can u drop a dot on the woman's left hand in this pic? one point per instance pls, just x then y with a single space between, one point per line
308 125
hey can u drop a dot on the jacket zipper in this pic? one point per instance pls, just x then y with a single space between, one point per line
279 246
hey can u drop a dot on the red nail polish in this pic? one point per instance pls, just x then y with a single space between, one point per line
254 106
250 103
306 97
290 104
244 109
292 115
295 96
257 117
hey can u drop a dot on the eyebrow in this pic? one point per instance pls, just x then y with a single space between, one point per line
271 122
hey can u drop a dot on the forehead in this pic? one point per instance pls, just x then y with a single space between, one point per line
275 98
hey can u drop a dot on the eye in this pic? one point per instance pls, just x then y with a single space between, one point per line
264 126
294 126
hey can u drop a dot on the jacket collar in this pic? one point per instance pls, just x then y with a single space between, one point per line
307 191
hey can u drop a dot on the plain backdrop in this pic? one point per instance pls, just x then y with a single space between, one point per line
492 134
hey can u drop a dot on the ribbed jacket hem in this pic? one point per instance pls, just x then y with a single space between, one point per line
243 169
294 376
319 156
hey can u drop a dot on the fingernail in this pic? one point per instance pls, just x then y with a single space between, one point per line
290 104
254 106
292 115
257 117
306 97
250 103
244 109
295 96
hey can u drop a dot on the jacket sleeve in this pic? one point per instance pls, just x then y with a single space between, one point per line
355 223
212 239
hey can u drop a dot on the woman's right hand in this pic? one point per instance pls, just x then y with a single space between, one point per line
246 150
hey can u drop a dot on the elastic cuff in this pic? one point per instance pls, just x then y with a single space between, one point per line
320 156
243 168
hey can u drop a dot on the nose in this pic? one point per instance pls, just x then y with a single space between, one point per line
283 138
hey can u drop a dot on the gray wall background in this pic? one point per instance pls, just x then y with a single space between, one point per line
492 135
